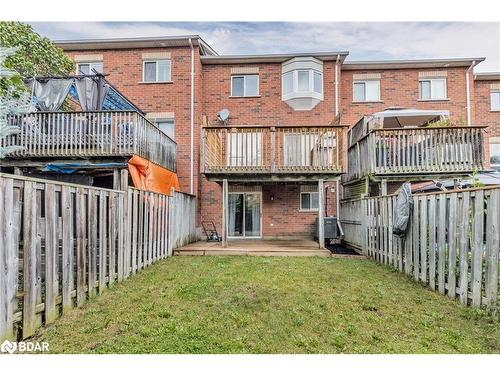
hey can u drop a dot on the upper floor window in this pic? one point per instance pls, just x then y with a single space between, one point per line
432 88
366 91
495 100
89 67
302 82
167 126
157 71
245 85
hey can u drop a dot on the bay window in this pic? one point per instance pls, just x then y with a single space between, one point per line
302 83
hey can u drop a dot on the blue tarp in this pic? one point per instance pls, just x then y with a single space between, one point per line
69 168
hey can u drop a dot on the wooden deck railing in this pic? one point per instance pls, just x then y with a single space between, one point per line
416 150
90 134
283 149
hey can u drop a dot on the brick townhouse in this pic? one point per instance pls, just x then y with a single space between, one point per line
253 132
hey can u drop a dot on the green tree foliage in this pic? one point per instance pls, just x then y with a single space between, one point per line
35 55
11 102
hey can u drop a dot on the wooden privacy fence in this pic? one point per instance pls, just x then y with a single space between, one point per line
61 244
452 243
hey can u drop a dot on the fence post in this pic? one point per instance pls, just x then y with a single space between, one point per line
321 224
8 261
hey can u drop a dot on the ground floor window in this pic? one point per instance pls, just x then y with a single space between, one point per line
309 201
495 155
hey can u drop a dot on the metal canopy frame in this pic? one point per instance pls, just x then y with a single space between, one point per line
114 99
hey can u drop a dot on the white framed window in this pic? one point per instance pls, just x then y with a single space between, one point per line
245 85
495 100
309 201
89 67
432 89
304 81
157 71
167 126
495 155
366 91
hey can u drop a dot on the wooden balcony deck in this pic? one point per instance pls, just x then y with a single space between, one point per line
426 151
90 135
262 153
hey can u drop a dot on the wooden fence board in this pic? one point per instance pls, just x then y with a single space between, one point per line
92 242
432 242
477 251
452 246
441 246
103 241
492 250
51 254
81 223
29 259
67 248
464 249
423 239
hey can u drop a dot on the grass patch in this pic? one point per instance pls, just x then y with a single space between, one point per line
271 305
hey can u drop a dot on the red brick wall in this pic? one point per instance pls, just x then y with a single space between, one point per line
268 109
399 87
484 115
124 71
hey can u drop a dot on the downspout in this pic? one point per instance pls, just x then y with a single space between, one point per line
191 181
337 185
467 88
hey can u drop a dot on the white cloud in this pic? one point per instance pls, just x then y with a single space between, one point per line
364 40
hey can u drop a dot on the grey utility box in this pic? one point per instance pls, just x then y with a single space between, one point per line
331 229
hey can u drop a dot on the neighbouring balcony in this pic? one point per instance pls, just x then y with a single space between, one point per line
95 134
263 152
414 151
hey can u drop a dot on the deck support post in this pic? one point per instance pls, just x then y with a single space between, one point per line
321 224
383 187
116 179
224 212
124 179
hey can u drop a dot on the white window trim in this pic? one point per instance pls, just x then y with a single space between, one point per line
364 81
245 85
300 202
157 65
295 93
89 63
495 91
430 80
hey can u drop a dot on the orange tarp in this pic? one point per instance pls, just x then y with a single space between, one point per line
152 177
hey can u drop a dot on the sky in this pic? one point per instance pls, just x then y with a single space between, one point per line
364 41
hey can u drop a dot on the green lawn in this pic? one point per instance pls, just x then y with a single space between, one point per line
272 305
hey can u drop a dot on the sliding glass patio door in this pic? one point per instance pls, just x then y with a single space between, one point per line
245 215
